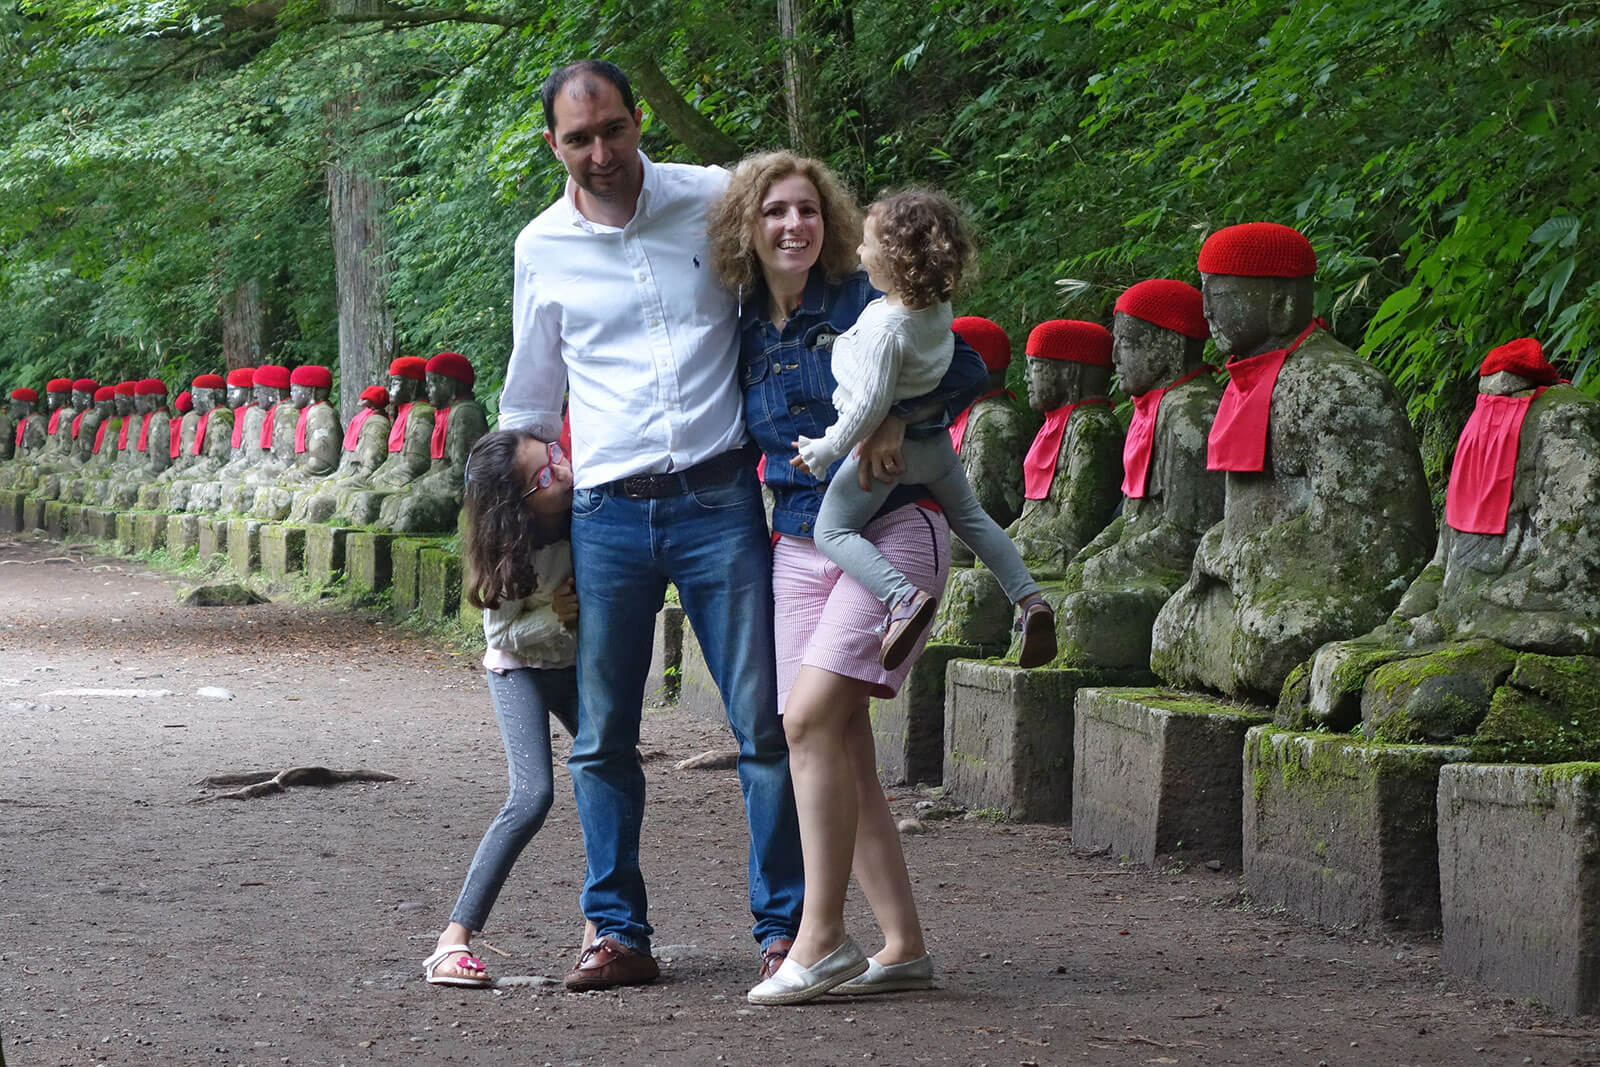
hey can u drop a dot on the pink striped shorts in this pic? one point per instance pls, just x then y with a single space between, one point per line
826 619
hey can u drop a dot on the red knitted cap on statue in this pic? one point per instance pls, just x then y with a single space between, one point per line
127 388
208 381
1167 303
58 385
987 338
1072 339
185 401
242 376
1523 357
104 393
150 387
376 395
409 367
85 385
22 392
1258 250
452 365
272 376
314 375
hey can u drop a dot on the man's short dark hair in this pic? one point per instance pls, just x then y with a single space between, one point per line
597 68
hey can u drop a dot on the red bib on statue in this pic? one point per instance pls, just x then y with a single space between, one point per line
1039 466
200 435
300 428
1141 439
267 425
958 428
352 432
238 423
1238 439
1479 495
397 432
174 437
441 426
144 433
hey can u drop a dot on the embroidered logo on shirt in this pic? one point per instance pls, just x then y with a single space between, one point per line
697 262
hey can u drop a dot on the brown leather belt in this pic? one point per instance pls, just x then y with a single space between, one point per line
715 471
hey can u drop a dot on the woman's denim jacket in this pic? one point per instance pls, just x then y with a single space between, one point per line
788 390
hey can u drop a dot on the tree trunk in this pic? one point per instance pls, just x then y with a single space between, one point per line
796 76
244 321
358 206
698 133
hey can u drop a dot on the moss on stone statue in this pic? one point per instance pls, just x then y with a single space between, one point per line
1436 696
1547 711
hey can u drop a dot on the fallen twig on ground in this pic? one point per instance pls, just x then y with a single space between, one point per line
265 783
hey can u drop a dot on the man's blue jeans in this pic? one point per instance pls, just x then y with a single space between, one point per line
713 545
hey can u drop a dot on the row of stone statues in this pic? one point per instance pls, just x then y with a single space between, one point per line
1272 531
264 442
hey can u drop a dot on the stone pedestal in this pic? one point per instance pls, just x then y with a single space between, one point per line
1519 880
100 524
1158 773
325 553
697 691
122 525
366 562
32 513
212 535
908 730
183 533
149 531
438 583
666 657
1008 736
244 546
1341 832
405 560
11 511
77 523
55 519
283 551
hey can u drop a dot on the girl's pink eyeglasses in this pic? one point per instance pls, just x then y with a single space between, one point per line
542 478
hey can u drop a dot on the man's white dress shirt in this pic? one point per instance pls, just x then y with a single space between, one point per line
635 323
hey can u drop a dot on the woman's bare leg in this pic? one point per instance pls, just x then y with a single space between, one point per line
816 719
880 866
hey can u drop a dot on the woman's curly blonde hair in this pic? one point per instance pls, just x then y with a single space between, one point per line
924 244
736 216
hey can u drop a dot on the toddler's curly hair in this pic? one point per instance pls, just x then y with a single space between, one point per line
924 243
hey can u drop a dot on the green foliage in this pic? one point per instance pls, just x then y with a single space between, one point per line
1443 157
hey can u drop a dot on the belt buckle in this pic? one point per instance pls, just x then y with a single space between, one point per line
636 486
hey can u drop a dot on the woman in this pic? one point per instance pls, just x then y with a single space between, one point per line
784 235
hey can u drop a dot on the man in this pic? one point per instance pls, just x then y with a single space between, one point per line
615 299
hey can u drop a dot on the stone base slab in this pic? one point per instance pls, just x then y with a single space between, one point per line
405 561
32 513
100 524
11 511
666 657
1519 880
55 519
325 553
149 531
75 521
438 583
367 566
908 728
697 690
244 546
1008 736
183 534
122 523
1341 832
212 535
1158 773
283 551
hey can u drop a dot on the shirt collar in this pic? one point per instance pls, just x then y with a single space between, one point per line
652 181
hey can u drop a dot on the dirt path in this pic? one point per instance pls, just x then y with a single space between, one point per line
141 928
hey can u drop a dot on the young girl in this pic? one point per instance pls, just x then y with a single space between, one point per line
914 247
518 502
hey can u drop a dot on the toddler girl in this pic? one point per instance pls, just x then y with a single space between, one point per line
914 247
518 503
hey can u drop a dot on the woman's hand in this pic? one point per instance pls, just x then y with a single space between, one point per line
879 456
564 602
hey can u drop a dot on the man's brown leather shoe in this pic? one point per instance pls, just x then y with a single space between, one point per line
608 963
773 955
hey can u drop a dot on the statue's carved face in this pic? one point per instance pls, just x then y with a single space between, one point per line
441 390
302 396
1146 355
125 404
106 407
21 409
1249 316
206 399
53 401
239 395
145 403
402 390
267 395
1053 383
81 400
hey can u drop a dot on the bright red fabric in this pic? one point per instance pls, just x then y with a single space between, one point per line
144 432
300 427
174 435
352 433
958 428
1140 442
267 424
238 422
397 432
441 426
200 435
1238 438
1039 466
1479 495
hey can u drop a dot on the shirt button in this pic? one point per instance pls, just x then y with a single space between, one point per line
776 366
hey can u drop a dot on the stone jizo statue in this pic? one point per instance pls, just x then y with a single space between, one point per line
433 502
363 450
1120 580
261 441
147 454
316 441
205 447
1326 517
1514 571
99 443
243 441
991 436
361 496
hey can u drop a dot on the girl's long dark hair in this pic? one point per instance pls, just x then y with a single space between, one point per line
501 537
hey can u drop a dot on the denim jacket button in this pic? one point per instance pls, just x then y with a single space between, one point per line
776 366
805 527
795 409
